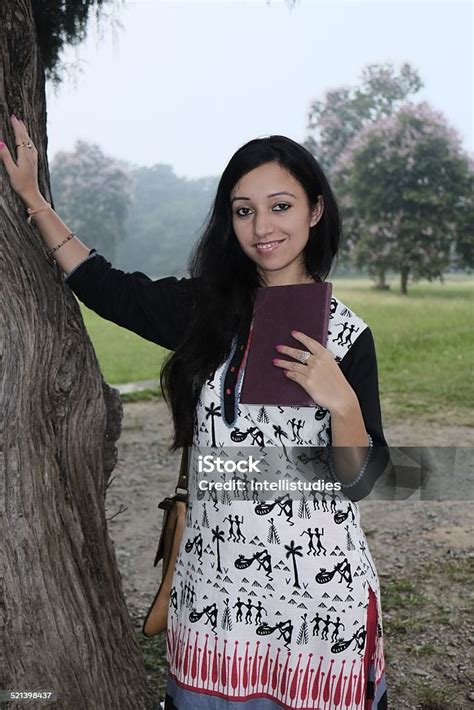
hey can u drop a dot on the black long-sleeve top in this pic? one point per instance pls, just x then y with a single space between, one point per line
158 310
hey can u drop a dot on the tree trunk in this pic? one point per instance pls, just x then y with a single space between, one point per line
380 284
404 281
64 624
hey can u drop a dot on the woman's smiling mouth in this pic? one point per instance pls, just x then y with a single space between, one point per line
268 246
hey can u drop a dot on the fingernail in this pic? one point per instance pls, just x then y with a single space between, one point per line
13 116
2 145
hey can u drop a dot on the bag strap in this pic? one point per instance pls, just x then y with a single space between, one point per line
182 485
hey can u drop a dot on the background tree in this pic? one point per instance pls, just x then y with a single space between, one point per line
336 119
143 219
93 194
65 22
408 180
463 248
63 619
164 221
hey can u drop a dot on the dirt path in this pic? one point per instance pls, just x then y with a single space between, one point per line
422 549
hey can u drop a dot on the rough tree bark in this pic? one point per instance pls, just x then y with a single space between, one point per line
64 624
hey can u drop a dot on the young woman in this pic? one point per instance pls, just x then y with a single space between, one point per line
275 606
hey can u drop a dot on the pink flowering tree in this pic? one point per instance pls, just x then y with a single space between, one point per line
409 183
93 193
344 111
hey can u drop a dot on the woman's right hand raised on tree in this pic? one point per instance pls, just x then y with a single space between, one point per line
23 173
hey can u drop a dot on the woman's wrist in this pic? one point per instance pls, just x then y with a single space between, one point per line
346 405
34 200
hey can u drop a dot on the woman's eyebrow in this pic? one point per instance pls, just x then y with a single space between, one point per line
274 194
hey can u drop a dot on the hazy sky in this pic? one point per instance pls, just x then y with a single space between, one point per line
188 82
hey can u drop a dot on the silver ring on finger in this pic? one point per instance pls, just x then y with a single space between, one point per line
304 356
25 144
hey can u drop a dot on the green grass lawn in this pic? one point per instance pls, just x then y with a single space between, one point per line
424 346
123 355
424 343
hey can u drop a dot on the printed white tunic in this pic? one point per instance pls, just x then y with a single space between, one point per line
275 603
269 600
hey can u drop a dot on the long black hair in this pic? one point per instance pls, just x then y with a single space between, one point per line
225 279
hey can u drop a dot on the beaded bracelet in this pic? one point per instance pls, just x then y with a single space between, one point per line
43 209
361 472
70 236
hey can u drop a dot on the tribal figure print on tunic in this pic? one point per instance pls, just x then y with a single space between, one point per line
269 602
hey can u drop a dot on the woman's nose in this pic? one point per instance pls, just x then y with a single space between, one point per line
263 224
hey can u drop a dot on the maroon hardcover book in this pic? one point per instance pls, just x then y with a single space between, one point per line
279 310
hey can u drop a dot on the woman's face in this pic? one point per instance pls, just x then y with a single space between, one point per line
271 219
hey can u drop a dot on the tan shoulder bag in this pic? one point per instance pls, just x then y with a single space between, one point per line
174 522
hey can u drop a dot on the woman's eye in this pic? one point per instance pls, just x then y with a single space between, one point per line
284 205
238 211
